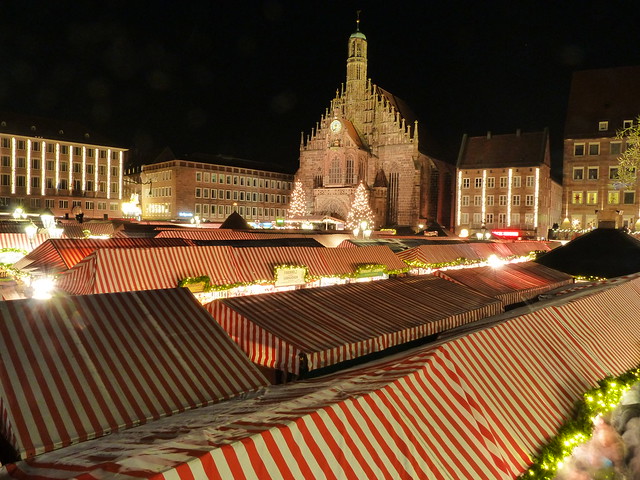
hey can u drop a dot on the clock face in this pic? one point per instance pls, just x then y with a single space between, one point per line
335 126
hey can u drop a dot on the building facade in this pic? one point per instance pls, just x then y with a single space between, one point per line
369 135
59 166
504 186
211 188
601 103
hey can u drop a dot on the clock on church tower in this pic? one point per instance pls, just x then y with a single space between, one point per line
335 126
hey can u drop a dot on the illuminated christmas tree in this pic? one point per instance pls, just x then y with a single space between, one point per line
360 217
298 203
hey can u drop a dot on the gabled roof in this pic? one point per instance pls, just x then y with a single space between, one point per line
508 150
611 94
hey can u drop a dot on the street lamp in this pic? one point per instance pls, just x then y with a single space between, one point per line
31 230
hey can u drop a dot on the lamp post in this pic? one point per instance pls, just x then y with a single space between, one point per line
31 230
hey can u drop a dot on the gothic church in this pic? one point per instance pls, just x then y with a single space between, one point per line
368 135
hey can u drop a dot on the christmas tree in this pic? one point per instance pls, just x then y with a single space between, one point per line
298 203
360 217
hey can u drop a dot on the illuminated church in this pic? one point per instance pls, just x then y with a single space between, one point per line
368 135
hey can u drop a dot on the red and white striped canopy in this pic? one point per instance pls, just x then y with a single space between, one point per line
511 283
58 255
80 367
258 263
21 241
324 326
110 270
476 407
345 261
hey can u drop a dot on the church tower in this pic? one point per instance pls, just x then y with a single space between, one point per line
357 63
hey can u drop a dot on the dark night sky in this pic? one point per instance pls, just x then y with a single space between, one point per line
245 78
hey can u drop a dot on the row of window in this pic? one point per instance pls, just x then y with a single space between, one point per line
593 173
63 183
240 195
21 162
593 148
613 197
489 219
502 200
604 125
222 211
64 149
36 203
206 177
516 182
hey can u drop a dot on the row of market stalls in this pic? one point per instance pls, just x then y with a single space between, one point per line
478 405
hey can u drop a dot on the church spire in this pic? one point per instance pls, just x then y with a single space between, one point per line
357 62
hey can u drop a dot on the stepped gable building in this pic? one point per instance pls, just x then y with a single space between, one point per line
60 166
210 187
504 186
369 135
601 102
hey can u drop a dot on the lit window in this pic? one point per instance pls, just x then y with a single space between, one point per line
478 182
504 182
466 182
491 182
465 200
530 180
613 198
198 176
489 218
528 200
502 200
576 197
627 123
603 126
464 219
516 201
592 198
517 181
490 200
477 200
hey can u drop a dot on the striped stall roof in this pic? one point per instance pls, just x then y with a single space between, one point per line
524 247
258 263
345 261
478 406
58 255
80 367
206 234
324 326
439 253
21 241
110 270
76 230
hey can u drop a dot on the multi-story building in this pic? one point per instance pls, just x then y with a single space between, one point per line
504 186
211 187
371 136
601 103
59 166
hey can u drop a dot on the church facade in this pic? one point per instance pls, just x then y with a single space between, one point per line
368 135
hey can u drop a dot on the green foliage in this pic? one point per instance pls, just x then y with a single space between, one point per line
629 160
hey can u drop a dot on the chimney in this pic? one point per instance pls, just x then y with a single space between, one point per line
488 135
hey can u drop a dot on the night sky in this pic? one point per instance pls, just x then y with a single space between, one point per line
245 78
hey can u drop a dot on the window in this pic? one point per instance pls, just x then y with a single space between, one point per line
103 154
530 180
464 218
613 198
629 198
205 209
214 194
515 201
576 197
228 179
63 166
603 126
502 200
578 149
221 194
35 146
477 218
490 200
21 162
89 186
235 180
35 182
228 194
504 182
90 154
515 219
517 181
592 173
334 171
6 161
242 181
592 198
578 173
6 143
627 123
64 184
113 207
214 178
491 182
114 171
198 208
35 163
76 203
502 218
465 200
102 186
615 148
235 195
477 200
89 205
594 149
50 182
5 180
63 204
198 192
49 203
205 177
613 173
20 144
102 169
198 176
205 193
479 182
466 182
77 151
528 200
102 205
76 167
114 187
64 149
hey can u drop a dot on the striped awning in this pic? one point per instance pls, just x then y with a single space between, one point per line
477 407
258 263
80 367
511 283
77 230
345 261
21 241
434 254
324 326
110 270
206 234
58 255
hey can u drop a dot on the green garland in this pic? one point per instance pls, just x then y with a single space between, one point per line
307 277
589 278
578 430
208 287
454 263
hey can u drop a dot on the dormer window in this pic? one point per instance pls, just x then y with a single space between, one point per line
603 126
627 123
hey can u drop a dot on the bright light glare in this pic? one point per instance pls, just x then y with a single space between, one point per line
42 288
464 233
494 261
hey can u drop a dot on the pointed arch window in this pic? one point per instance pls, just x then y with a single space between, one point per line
350 179
335 173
